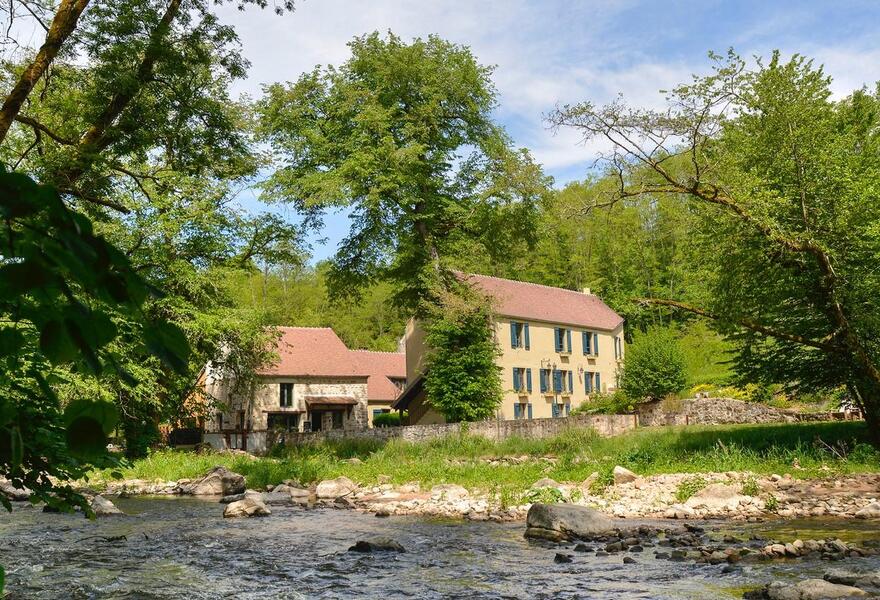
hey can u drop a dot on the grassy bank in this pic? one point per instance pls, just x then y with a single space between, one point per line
820 449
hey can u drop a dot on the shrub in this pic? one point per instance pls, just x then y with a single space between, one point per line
689 486
462 378
544 495
653 367
750 487
389 419
615 403
771 503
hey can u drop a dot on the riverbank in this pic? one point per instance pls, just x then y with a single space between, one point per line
736 472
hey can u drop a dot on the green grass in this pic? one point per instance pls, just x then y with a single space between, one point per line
574 454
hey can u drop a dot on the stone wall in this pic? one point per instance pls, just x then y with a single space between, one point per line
605 425
722 411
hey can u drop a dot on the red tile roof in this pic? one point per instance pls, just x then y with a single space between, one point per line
318 352
381 366
545 303
313 351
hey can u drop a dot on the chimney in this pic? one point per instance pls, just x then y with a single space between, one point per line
588 292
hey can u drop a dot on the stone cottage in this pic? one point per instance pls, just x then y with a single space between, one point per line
317 383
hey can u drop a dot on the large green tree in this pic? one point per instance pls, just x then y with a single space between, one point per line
785 179
402 135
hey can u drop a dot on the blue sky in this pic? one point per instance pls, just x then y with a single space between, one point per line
549 52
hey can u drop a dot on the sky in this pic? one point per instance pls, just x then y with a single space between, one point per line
549 52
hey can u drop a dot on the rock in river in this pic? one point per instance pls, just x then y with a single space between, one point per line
557 522
334 488
377 545
103 507
872 511
219 481
251 506
809 589
13 493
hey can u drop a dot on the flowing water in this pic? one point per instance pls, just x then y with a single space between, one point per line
182 548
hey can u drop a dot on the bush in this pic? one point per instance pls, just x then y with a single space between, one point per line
389 419
689 486
750 487
615 403
653 367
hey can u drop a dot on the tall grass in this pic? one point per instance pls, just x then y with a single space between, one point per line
818 449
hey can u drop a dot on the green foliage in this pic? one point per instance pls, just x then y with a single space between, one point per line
391 419
689 486
750 487
653 366
544 495
402 134
462 379
59 285
771 503
613 403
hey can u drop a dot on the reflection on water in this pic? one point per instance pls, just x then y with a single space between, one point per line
183 548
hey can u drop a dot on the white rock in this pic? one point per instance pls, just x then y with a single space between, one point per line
448 491
103 507
334 488
872 511
251 506
812 589
622 475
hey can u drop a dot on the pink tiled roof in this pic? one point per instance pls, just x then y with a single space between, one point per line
381 366
544 303
314 351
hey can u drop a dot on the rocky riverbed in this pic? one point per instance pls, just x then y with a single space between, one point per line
732 495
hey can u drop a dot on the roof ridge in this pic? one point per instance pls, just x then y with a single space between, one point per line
375 351
299 327
541 285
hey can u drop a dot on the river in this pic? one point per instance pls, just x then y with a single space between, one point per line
182 548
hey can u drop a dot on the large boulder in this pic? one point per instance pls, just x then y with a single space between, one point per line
219 481
861 580
559 522
622 475
872 511
236 497
334 488
717 497
103 507
812 589
251 506
13 493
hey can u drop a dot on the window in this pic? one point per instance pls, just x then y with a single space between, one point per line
399 382
563 381
519 335
522 410
598 384
589 386
545 380
562 339
337 419
283 421
241 420
286 399
219 421
618 347
522 379
590 343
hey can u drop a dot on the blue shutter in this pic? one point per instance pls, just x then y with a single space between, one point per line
543 377
570 381
526 334
585 342
568 409
529 380
555 410
596 344
517 411
513 341
516 381
530 409
557 380
598 384
568 339
557 339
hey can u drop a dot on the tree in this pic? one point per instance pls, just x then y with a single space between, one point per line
402 135
654 366
462 377
782 176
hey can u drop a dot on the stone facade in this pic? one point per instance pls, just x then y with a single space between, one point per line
604 425
723 411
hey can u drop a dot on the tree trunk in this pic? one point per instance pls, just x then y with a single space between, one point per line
62 26
868 398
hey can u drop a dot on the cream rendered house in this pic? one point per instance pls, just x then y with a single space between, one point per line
559 347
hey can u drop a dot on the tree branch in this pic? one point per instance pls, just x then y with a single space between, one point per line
62 26
37 125
94 200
